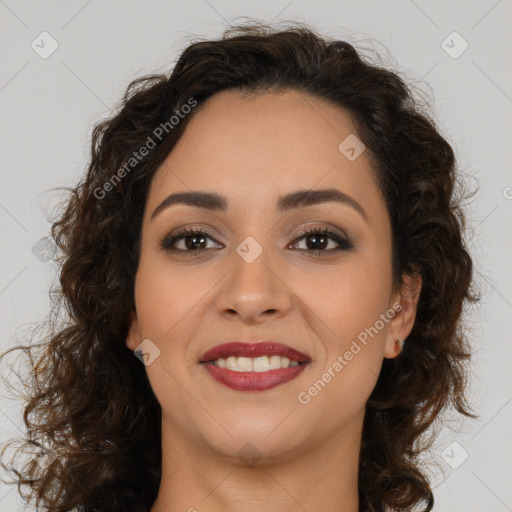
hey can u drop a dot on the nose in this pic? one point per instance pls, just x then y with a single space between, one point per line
254 291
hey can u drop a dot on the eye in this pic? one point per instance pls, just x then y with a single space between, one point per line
319 239
194 241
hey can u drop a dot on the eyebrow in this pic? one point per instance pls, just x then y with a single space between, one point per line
299 199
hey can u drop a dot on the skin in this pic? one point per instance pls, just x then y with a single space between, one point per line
253 149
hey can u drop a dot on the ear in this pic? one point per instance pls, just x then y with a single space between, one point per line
402 323
133 336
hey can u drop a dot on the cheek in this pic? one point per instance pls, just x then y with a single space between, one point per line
351 306
163 296
350 297
165 309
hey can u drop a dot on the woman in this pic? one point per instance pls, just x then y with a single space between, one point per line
264 273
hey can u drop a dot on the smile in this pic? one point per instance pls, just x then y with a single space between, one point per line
254 374
254 366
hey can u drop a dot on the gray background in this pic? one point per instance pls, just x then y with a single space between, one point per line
49 105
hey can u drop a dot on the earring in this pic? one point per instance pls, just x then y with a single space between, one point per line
399 344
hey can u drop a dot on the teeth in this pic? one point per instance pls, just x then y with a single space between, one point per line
231 363
257 364
275 362
260 364
244 364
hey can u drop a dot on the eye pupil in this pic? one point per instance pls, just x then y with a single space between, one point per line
315 244
191 245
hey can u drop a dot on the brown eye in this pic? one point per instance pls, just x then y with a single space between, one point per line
318 239
193 241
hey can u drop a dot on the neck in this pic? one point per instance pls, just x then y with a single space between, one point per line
197 478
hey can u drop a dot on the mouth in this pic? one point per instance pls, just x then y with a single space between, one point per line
254 366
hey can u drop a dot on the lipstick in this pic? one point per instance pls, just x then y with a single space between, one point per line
265 365
262 348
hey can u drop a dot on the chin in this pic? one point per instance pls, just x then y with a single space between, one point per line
259 438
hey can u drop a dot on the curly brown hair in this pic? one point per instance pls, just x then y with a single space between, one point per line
89 400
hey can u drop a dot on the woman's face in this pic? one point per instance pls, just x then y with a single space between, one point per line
252 276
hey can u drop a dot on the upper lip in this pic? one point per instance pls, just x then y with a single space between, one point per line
245 349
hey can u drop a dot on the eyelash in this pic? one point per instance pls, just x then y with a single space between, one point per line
344 243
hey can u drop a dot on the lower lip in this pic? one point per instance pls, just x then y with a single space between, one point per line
254 381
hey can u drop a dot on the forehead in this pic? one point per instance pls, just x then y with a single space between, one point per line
263 146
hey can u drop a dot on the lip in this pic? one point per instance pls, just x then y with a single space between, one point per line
262 348
253 381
